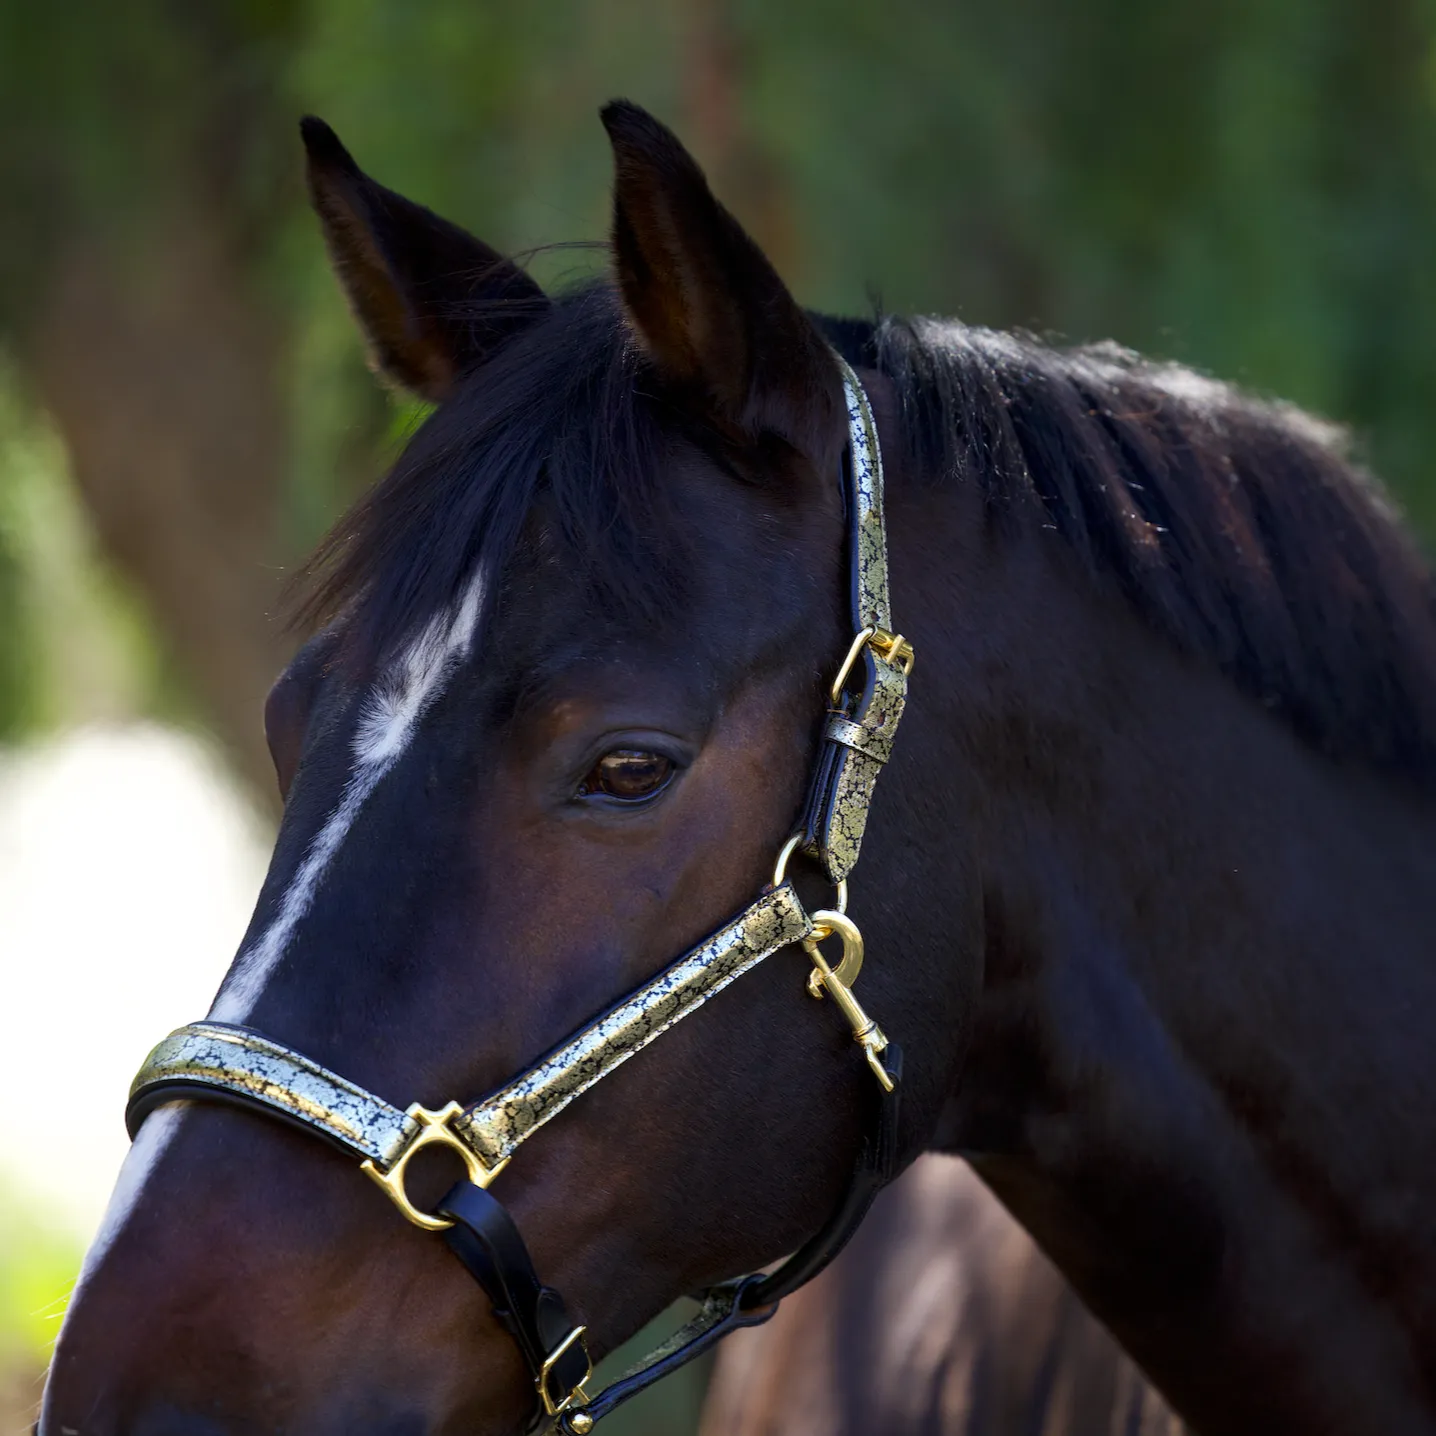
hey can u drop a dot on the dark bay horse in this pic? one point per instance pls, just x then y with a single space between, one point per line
1149 891
940 1319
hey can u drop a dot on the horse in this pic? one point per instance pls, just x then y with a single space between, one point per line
942 1318
1147 897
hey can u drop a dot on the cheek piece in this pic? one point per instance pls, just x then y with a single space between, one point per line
217 1061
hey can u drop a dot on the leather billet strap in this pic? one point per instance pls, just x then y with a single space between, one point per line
863 718
867 527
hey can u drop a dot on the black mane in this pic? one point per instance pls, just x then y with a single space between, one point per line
1239 529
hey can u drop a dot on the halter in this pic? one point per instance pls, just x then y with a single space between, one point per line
218 1061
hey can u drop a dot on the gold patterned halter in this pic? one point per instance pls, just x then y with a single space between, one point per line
220 1061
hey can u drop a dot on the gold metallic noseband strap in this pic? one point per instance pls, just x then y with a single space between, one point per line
499 1123
214 1059
208 1057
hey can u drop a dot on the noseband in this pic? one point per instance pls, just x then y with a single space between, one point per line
222 1062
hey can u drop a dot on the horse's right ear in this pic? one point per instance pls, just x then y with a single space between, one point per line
433 301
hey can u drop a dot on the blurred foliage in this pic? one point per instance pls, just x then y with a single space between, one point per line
37 1270
74 644
1246 185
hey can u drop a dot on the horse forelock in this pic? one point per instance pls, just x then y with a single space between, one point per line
565 417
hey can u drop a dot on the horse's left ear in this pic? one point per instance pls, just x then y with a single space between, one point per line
432 300
706 303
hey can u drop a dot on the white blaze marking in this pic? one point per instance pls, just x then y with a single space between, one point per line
149 1144
386 724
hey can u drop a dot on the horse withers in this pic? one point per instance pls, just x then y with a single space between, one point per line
1147 894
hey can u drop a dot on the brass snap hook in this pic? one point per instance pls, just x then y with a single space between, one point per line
825 979
826 924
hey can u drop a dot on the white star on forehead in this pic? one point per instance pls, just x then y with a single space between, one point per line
387 720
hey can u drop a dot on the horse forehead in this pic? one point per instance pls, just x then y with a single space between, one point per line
381 725
546 631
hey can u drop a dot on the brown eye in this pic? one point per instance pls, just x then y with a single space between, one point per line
628 774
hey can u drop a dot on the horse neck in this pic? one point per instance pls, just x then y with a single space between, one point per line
1201 1071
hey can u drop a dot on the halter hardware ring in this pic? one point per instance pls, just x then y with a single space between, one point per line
578 1396
891 646
780 871
434 1130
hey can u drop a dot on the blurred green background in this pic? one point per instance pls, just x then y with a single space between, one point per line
1245 185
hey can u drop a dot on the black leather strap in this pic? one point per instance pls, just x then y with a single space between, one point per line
724 1310
752 1300
486 1239
877 1161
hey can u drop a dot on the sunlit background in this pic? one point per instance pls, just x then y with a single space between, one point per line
1246 185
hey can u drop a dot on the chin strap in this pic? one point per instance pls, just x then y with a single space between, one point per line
485 1238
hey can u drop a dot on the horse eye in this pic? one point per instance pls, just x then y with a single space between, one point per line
628 774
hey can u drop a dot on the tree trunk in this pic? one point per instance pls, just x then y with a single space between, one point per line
163 379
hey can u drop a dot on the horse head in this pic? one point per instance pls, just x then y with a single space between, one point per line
559 716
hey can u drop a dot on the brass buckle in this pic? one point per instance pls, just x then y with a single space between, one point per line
896 649
578 1396
892 647
836 983
434 1130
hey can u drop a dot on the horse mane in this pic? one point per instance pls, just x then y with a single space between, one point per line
1239 529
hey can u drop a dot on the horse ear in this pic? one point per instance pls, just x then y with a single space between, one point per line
432 300
704 300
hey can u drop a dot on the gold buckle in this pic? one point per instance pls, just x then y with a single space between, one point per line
892 647
578 1396
895 648
830 980
434 1130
